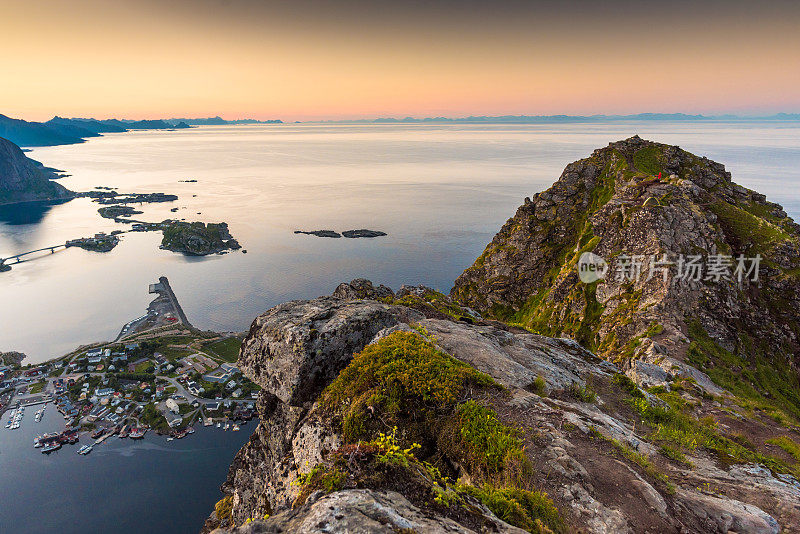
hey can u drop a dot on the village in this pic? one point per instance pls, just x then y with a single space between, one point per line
160 375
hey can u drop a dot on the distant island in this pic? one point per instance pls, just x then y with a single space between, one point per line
352 234
64 131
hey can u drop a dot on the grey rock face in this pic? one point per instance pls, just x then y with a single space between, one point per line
295 349
362 512
361 288
300 346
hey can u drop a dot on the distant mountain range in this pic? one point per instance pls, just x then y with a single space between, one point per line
63 131
219 121
550 119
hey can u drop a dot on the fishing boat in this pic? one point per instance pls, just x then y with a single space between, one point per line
50 447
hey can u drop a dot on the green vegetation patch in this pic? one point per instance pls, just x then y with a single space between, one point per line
754 234
402 376
676 427
383 464
647 160
489 448
431 301
764 383
227 349
529 510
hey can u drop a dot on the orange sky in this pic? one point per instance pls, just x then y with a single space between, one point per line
310 59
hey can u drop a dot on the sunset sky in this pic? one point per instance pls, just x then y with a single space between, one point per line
305 59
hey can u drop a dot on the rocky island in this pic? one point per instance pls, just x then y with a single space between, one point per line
531 400
197 238
112 212
101 242
352 234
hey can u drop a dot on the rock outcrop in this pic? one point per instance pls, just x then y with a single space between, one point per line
23 179
587 448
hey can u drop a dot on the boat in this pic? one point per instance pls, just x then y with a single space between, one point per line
208 422
227 425
219 425
190 430
50 447
235 428
86 449
125 431
137 433
170 438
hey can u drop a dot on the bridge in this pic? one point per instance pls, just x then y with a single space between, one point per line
18 257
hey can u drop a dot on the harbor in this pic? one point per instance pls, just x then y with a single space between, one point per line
138 469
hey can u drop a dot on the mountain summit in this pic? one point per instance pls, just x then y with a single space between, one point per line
694 260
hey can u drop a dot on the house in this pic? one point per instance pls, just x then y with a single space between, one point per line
173 406
104 392
95 359
94 352
230 385
237 393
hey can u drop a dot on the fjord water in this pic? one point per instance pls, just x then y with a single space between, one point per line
439 191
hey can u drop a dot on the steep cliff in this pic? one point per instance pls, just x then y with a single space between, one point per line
23 179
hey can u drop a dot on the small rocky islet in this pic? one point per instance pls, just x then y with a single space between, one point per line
351 234
529 401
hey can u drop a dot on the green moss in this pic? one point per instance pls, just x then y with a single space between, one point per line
676 427
400 376
628 385
764 383
431 300
529 510
754 234
647 160
490 449
582 393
